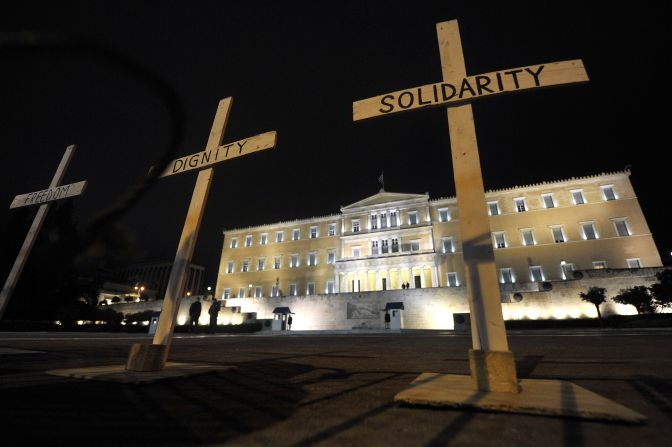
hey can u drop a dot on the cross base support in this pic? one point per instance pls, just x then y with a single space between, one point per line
493 371
144 357
556 398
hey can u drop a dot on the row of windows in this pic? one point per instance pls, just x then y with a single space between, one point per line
388 219
548 200
536 272
558 234
294 262
506 275
313 233
275 290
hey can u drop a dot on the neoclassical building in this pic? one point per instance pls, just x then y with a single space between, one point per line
540 232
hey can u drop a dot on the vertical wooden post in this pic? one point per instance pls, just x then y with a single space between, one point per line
153 357
491 363
28 243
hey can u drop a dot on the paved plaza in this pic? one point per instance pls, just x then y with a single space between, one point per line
305 389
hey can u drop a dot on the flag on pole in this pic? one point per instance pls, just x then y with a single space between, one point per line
381 180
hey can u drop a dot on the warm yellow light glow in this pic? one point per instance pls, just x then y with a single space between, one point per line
80 322
574 312
181 320
559 313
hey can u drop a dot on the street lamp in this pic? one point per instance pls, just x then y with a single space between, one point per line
138 290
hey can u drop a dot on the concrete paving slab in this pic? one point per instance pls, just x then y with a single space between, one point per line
119 374
556 398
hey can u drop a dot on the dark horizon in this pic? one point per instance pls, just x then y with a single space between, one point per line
297 69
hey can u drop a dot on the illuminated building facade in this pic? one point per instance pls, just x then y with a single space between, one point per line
541 232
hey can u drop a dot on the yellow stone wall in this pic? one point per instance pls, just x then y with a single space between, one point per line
430 231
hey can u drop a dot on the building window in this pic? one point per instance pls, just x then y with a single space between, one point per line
241 292
385 248
292 290
374 248
331 257
443 215
395 245
313 232
548 200
263 240
355 225
634 263
393 219
279 236
621 226
227 294
506 275
312 259
520 204
246 266
527 237
566 270
413 218
415 245
447 245
331 288
536 273
234 242
493 208
374 222
294 262
248 240
452 280
310 290
383 220
589 231
599 265
356 252
296 234
277 262
558 234
577 197
332 230
261 263
229 267
499 239
275 290
608 192
257 292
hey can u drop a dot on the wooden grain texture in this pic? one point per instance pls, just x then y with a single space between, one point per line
49 195
456 89
211 156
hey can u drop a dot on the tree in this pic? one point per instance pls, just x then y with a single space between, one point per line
662 290
637 296
595 296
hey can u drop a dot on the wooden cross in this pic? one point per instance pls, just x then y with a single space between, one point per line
490 347
153 357
44 199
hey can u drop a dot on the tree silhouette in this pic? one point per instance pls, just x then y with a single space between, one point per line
595 296
662 290
637 296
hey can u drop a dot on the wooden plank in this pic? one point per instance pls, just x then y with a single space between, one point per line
218 154
28 243
556 398
49 195
459 89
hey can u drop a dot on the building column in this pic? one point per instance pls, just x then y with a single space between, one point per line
423 283
336 283
378 286
435 277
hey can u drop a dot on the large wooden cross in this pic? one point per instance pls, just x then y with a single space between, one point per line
56 191
144 357
491 363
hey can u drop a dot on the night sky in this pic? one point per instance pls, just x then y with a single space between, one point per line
296 69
